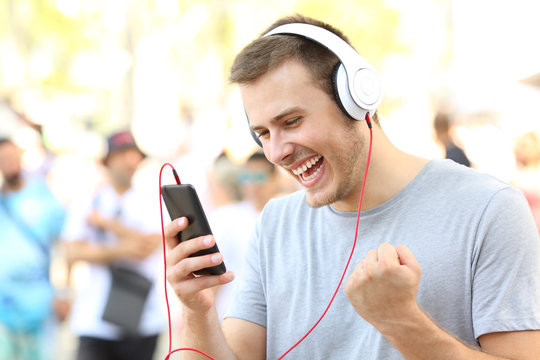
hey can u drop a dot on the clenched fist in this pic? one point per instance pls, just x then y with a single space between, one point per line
384 285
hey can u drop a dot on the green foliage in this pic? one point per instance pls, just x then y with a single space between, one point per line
38 25
370 24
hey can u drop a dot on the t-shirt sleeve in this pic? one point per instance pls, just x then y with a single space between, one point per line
75 226
250 298
145 210
506 267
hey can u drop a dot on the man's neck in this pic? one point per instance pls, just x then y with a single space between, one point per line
390 171
121 189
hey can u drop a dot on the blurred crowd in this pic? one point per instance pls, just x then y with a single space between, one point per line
81 275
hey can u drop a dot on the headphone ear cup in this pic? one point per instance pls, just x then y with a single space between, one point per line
253 134
336 91
343 96
256 138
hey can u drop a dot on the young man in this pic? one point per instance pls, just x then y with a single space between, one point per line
115 236
471 236
30 222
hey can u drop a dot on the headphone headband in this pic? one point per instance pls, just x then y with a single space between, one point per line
357 87
362 77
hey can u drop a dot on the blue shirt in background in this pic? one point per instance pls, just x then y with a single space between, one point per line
25 243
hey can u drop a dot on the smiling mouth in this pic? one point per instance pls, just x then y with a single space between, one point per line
309 169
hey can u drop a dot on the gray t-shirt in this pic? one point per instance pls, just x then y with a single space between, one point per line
473 236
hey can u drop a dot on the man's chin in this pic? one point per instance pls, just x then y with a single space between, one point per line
317 200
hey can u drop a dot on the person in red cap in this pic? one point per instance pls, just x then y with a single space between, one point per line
117 313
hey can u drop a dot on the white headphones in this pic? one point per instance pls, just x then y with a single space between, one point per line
357 86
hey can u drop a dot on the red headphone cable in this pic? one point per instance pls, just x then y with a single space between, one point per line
368 121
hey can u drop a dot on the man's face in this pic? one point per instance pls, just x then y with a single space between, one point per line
122 165
10 162
303 131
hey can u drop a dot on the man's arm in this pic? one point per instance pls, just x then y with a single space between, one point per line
94 253
124 233
390 276
512 344
239 339
419 337
247 339
132 244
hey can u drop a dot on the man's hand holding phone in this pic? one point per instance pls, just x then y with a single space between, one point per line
194 291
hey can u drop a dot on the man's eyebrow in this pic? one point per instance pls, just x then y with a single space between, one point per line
278 117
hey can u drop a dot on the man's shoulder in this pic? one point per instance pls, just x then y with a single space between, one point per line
450 175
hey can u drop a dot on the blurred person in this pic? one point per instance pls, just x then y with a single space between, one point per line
117 312
259 180
446 263
191 157
222 181
31 219
232 220
527 176
453 152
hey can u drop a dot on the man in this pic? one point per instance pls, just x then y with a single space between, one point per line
30 221
441 124
471 236
117 312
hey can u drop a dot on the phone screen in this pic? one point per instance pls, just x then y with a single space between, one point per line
182 200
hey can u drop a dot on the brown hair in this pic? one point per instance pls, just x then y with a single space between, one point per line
265 53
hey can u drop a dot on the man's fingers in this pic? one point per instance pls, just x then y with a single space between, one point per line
172 229
388 255
190 286
372 257
186 248
190 265
407 258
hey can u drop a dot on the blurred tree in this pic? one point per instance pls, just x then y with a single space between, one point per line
93 47
371 25
39 29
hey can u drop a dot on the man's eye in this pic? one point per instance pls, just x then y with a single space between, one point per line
293 121
262 133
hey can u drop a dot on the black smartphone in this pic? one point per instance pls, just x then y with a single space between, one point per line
182 200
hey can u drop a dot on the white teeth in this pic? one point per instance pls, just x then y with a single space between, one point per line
307 165
307 178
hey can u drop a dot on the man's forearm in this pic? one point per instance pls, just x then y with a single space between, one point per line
118 229
95 253
418 337
203 332
123 232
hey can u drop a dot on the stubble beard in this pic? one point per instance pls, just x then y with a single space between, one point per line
348 166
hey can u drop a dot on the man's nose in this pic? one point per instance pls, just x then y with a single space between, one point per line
277 150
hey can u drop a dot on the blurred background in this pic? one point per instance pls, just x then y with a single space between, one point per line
79 69
73 71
